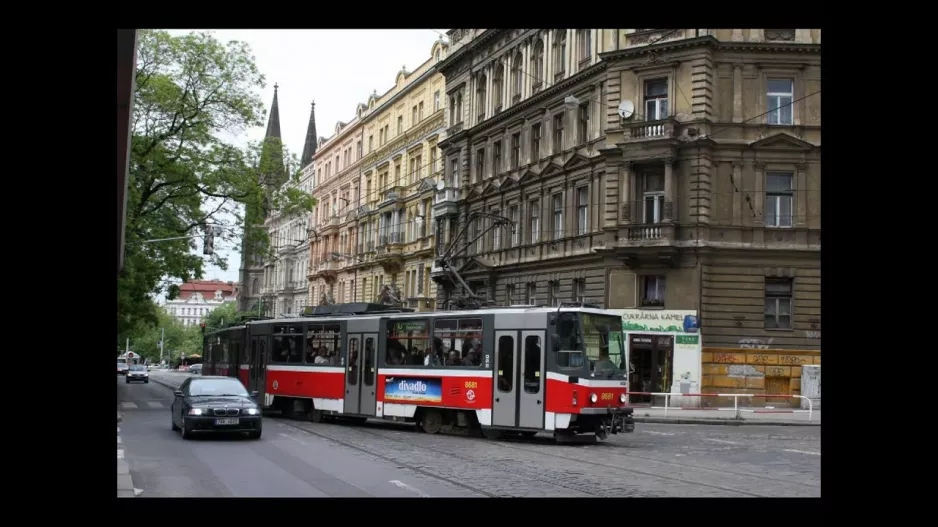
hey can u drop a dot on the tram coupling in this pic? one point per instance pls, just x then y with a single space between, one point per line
616 420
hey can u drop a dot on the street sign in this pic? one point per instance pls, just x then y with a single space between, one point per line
130 354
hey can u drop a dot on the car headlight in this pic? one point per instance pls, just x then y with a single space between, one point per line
593 398
622 398
146 374
195 411
251 411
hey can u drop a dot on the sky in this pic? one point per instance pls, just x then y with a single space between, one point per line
336 68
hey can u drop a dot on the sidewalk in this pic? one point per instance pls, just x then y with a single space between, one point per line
725 417
125 484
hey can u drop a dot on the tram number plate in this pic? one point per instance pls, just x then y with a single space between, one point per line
226 421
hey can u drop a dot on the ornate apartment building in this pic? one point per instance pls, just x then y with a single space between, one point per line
381 249
654 171
286 288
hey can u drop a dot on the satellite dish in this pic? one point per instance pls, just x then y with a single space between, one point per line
440 185
626 109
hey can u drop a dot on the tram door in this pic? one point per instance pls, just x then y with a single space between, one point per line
258 375
361 373
518 398
253 364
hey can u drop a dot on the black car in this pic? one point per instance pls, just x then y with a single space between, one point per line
215 404
137 372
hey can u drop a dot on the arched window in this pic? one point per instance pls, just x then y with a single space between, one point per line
560 51
480 95
516 77
255 287
437 55
537 65
498 85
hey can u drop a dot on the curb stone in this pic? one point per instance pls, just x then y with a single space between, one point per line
726 422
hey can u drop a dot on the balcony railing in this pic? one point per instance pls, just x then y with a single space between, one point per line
396 237
455 129
651 210
447 194
648 130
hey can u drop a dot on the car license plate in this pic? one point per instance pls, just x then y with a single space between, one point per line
226 421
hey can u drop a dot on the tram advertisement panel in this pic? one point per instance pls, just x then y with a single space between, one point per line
413 390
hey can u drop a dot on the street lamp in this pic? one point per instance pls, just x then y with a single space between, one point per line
571 103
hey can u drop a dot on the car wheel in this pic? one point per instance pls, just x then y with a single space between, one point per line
186 432
175 428
127 381
146 381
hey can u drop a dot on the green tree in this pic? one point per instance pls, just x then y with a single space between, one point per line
179 338
192 91
223 314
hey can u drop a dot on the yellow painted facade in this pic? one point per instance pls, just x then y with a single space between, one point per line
400 169
758 371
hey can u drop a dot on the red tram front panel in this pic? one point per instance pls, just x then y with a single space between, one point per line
402 390
565 398
325 385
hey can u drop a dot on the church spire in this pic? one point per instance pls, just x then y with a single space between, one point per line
309 148
273 124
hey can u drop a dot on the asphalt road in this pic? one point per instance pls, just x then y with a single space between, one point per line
296 458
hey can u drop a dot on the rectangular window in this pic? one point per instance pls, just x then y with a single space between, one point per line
583 123
497 157
496 234
432 160
653 197
653 291
420 112
534 220
778 295
535 143
513 216
530 294
656 100
369 366
408 343
288 345
506 364
553 292
510 294
558 216
515 150
582 210
371 143
579 289
461 340
358 148
480 164
454 173
558 132
779 101
480 241
413 116
532 364
436 100
779 196
400 124
586 42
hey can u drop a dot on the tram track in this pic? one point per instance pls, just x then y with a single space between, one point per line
594 490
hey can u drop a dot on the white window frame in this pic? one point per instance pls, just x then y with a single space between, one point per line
558 229
659 284
774 303
534 220
582 210
774 101
496 234
530 293
655 197
586 44
777 197
436 100
515 231
480 241
653 110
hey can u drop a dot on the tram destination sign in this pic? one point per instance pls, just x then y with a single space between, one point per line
414 390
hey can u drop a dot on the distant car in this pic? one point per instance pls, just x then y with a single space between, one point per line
122 368
196 369
137 372
208 404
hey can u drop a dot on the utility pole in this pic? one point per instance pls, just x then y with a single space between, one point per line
162 337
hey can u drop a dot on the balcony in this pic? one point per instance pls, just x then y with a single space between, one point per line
446 202
455 129
390 252
329 225
648 236
651 130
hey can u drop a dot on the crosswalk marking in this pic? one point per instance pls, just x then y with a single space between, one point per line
155 404
128 404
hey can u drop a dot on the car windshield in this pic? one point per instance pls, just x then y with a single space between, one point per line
121 364
206 387
137 367
605 351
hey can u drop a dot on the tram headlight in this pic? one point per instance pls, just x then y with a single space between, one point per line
593 398
622 398
195 411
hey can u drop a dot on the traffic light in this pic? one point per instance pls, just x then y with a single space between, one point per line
208 245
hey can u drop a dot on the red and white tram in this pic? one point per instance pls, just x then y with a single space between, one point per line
517 369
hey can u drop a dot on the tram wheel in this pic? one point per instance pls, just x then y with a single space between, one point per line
431 421
316 416
492 433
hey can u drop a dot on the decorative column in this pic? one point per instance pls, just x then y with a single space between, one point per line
738 91
625 192
801 196
758 203
668 213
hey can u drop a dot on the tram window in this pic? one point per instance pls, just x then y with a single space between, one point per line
506 363
353 362
461 341
253 352
369 364
263 353
567 343
288 346
323 346
224 350
532 364
408 343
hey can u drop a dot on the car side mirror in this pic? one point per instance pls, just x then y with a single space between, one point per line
177 393
254 393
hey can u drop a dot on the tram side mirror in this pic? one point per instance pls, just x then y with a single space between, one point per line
254 393
177 393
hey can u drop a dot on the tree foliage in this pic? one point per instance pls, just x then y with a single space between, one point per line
191 93
179 339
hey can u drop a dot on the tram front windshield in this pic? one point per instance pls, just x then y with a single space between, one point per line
602 339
